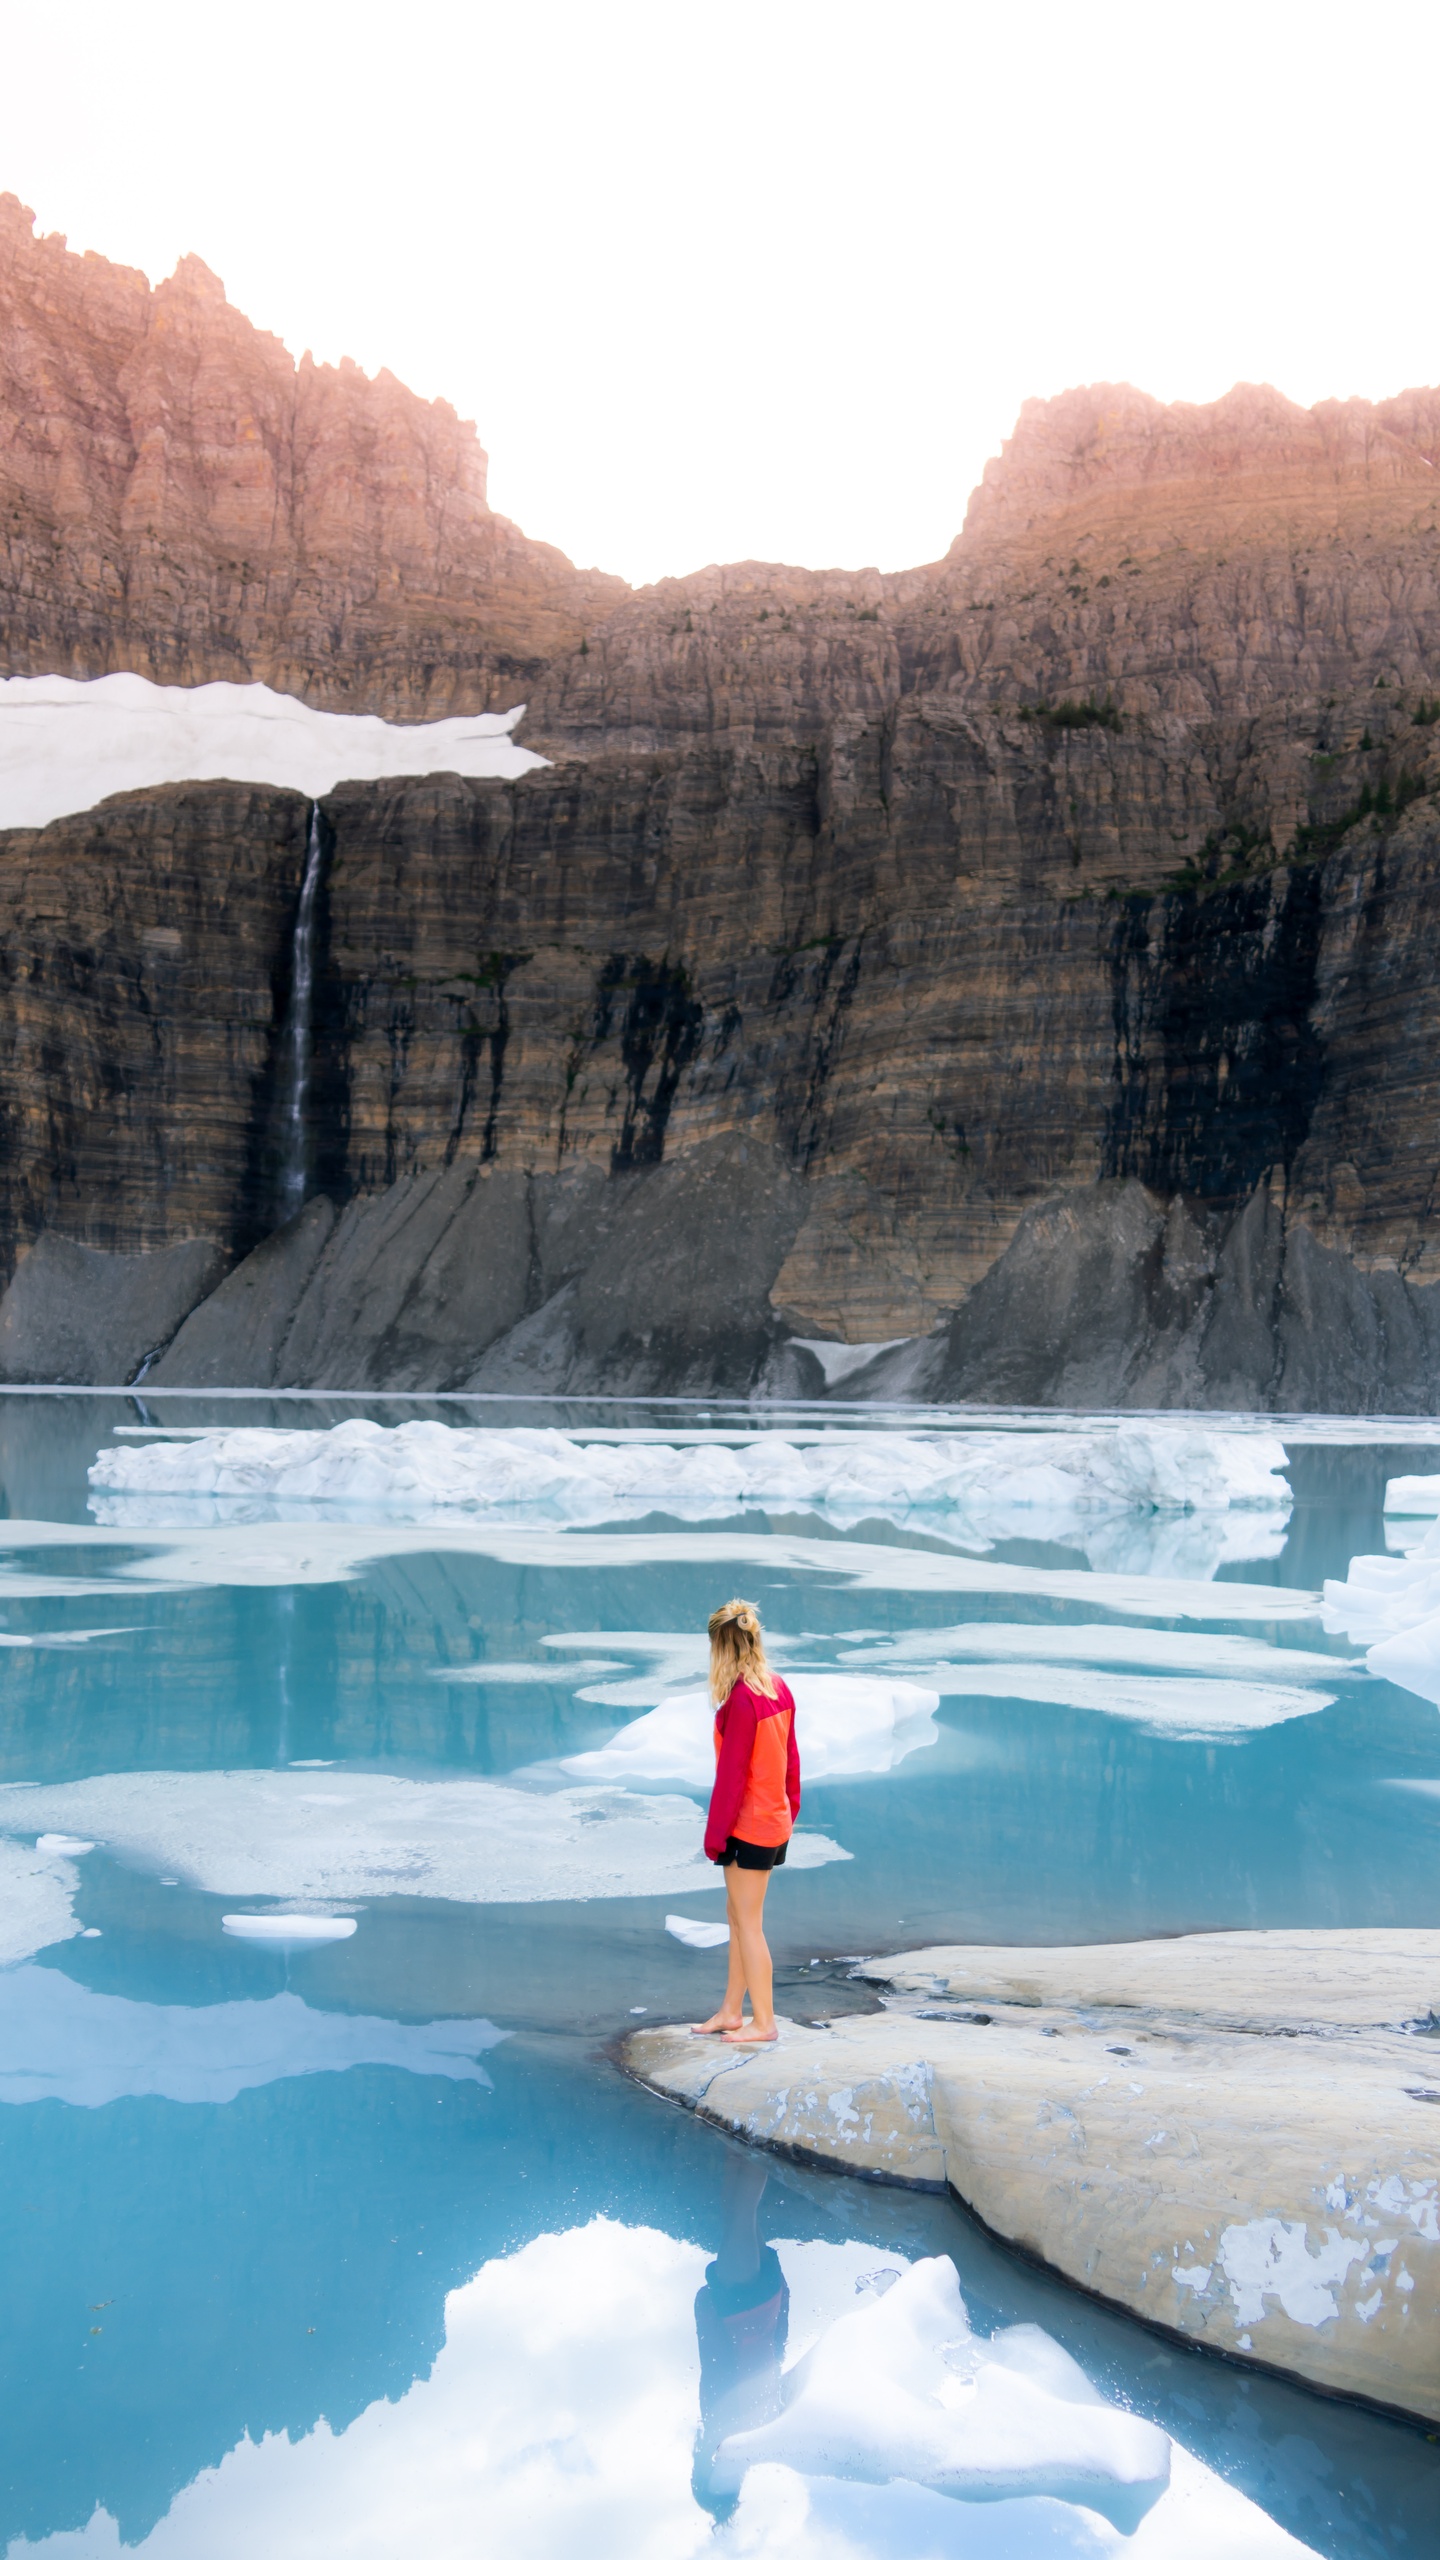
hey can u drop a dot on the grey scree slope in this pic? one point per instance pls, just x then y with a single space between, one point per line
1236 2136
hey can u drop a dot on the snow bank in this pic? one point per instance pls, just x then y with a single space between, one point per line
984 1476
901 2388
59 2039
848 1726
65 744
262 1832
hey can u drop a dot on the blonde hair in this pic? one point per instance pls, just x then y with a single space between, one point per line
737 1652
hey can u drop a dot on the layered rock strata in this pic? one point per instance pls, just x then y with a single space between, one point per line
878 1043
1024 958
1231 2136
181 499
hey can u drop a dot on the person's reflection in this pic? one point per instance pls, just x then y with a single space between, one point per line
742 2313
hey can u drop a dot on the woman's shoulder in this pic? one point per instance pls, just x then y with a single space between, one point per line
764 1701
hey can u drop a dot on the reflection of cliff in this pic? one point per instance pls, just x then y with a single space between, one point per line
1072 891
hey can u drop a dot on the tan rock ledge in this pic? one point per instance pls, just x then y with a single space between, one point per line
1237 2136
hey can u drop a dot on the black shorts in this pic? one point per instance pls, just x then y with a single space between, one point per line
749 1853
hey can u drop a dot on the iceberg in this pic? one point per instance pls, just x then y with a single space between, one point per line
849 1725
67 742
902 2389
991 1480
1391 1604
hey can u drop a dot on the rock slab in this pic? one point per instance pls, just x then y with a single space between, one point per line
1235 2136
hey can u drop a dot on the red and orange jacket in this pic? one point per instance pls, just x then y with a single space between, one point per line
756 1795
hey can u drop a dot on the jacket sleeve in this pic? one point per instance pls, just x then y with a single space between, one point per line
736 1743
792 1769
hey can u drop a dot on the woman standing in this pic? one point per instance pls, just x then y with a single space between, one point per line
753 1805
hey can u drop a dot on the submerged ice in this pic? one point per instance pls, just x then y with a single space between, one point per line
271 1832
60 2039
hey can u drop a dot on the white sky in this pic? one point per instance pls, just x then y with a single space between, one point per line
771 278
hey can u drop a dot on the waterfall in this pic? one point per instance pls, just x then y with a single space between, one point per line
295 1056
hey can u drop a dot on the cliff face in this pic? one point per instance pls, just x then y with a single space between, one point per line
629 1071
181 499
1027 955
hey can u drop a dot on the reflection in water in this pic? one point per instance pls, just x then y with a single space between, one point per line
742 2314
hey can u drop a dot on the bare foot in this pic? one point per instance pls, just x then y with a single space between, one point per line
719 2025
753 2035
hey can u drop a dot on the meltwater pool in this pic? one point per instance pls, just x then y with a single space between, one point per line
340 1826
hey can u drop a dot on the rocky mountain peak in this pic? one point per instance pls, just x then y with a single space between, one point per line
1108 441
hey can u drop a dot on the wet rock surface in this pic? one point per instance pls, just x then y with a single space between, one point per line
1232 2136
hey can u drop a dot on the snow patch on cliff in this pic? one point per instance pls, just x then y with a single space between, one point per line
66 744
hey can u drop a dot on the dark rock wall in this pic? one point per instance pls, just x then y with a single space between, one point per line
628 1072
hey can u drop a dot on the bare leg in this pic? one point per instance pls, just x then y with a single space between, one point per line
731 2011
747 1892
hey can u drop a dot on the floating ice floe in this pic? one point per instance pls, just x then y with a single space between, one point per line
287 1928
848 1726
902 2389
1413 1497
60 2039
700 1934
259 1832
563 2405
66 743
37 1893
146 1555
987 1479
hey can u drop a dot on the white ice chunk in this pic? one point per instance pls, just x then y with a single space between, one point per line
847 1725
59 1844
992 1479
261 1832
66 743
59 2039
782 2516
1391 1605
901 2389
1416 1497
287 1928
697 1933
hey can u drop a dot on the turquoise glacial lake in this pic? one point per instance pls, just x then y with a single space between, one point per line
363 2244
